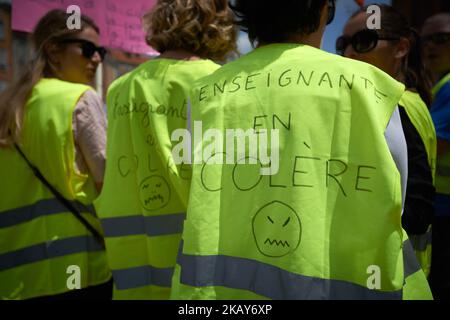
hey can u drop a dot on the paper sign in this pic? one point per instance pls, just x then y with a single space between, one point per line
119 21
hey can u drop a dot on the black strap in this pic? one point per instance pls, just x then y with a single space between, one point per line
69 205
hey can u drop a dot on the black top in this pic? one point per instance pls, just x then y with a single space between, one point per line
418 212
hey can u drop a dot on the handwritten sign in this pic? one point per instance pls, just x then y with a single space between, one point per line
119 21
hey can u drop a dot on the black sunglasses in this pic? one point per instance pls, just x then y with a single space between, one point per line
88 48
363 41
436 38
331 10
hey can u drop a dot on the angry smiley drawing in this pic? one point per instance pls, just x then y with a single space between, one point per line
154 193
276 229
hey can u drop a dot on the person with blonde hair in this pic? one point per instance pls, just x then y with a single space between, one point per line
144 198
52 139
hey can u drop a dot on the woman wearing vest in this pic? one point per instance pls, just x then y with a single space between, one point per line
326 222
436 44
395 49
143 202
52 137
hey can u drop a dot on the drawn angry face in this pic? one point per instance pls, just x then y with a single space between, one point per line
154 193
276 229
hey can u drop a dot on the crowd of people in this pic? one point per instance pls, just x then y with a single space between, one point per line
94 205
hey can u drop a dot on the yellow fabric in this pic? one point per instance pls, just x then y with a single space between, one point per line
46 233
142 182
337 188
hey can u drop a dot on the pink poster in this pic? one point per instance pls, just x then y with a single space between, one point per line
119 20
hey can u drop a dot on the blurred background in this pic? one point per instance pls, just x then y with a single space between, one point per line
18 17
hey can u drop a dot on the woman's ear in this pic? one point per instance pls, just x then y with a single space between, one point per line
53 53
402 48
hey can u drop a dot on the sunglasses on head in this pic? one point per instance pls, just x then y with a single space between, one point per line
363 41
88 48
437 38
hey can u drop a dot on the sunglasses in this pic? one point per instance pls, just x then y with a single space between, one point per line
437 38
362 42
88 48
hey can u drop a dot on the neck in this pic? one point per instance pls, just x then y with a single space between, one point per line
179 54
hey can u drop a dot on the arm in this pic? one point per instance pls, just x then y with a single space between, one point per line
419 209
89 126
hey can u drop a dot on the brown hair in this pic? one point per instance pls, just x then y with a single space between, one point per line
202 27
51 29
393 23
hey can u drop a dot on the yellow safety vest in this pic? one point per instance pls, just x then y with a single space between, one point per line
144 197
420 117
443 161
327 224
43 247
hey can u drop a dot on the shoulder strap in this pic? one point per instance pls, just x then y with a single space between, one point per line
98 237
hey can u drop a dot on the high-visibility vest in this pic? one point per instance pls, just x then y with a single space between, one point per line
327 224
144 196
44 249
420 117
443 161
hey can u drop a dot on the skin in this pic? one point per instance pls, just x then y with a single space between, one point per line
68 62
437 58
387 55
179 54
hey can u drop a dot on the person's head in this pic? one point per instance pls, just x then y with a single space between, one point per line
201 27
395 48
436 43
69 55
284 20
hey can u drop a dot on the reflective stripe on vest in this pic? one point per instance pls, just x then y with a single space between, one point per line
48 250
40 238
151 226
145 194
318 216
421 242
40 209
142 276
275 283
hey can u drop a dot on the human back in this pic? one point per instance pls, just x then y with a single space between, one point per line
330 183
143 203
329 211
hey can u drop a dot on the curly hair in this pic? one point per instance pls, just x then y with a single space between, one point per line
202 27
267 22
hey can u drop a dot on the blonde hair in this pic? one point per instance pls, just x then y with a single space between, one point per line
51 29
202 27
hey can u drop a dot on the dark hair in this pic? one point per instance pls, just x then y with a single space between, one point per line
268 22
393 23
51 29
